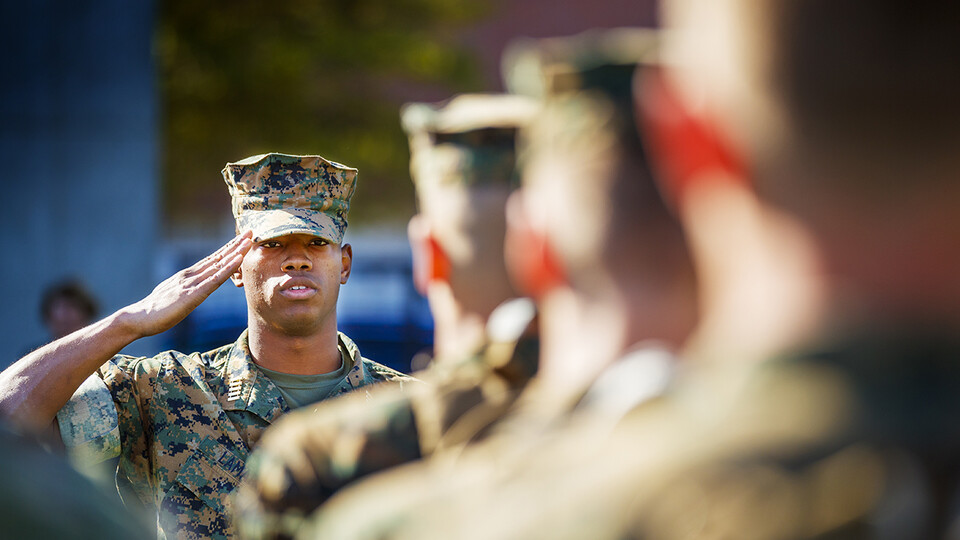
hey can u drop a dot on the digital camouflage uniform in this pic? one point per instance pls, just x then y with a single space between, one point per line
184 425
858 439
853 439
313 453
447 496
465 144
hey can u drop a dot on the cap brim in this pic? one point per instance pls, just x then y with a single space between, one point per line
267 224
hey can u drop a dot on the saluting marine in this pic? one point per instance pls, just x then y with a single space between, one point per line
183 425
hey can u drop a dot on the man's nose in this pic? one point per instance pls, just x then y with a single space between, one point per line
296 260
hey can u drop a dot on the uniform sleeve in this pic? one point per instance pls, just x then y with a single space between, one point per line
311 453
89 423
104 418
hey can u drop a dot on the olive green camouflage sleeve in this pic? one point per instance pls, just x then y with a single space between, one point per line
103 420
310 454
307 457
89 423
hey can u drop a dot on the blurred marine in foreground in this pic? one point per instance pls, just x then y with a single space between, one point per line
822 138
593 242
463 166
810 151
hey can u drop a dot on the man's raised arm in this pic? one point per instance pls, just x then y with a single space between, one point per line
34 388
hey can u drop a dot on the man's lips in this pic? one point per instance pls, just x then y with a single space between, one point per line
298 289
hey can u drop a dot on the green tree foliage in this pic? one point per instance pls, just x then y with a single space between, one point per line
244 77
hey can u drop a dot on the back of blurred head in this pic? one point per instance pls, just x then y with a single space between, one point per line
811 149
589 235
463 164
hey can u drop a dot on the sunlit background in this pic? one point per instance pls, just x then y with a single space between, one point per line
116 117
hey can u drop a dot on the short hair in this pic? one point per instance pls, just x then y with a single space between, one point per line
590 135
72 291
877 76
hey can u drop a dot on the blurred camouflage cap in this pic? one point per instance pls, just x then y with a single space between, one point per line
469 139
551 66
277 194
585 83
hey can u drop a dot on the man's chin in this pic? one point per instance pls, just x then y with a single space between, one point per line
298 326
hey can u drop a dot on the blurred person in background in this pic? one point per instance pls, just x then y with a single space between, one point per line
590 237
463 168
183 425
66 307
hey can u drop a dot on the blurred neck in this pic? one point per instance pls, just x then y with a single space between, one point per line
458 332
761 284
578 339
772 280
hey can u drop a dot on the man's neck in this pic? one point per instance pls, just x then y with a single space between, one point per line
578 339
458 332
312 354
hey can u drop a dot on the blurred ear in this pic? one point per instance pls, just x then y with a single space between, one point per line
346 262
430 262
685 147
534 267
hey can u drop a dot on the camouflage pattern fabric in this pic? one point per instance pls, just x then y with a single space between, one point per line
311 455
96 438
856 439
883 461
439 497
187 424
42 497
469 140
278 194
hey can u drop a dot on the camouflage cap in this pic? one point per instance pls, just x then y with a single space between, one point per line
469 139
277 194
585 83
551 66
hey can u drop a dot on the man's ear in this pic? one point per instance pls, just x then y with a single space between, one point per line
685 147
346 262
430 261
534 267
237 277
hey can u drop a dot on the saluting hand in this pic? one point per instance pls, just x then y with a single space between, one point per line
174 298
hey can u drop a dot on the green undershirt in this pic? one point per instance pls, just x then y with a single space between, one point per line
300 390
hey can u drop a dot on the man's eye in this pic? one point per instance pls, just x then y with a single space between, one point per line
270 244
319 242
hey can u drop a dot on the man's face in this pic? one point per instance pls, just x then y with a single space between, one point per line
292 282
66 316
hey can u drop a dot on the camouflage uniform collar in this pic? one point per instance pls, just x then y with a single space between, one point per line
357 371
248 389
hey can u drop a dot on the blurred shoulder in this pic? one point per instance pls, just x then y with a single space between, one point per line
380 372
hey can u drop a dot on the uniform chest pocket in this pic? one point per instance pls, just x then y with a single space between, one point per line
212 473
